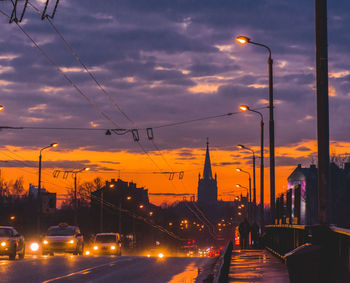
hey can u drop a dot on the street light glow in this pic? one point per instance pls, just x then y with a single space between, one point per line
2 107
238 169
242 39
54 144
244 108
86 169
240 146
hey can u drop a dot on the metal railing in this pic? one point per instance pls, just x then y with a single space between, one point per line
281 239
334 241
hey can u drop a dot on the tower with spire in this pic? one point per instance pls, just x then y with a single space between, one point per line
207 186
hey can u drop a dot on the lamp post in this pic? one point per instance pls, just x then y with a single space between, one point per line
250 188
242 187
101 206
74 175
55 144
244 40
246 108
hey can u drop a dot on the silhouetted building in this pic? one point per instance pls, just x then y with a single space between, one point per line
207 186
302 196
48 200
117 201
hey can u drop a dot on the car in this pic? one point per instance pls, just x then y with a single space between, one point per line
214 251
107 243
11 243
63 238
159 253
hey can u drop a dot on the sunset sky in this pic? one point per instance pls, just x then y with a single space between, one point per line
160 62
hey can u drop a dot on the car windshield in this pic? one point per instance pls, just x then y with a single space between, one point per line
61 231
105 239
5 232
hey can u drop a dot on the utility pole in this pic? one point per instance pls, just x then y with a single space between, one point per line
120 217
101 211
322 108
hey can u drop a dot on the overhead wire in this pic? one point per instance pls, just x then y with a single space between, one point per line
138 217
78 59
69 80
105 92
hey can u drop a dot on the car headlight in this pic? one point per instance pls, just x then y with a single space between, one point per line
87 253
71 242
45 242
112 247
3 244
148 255
34 247
95 248
160 255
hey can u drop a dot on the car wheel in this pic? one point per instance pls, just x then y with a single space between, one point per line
22 254
12 255
81 252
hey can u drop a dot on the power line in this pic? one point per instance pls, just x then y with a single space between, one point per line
78 59
52 62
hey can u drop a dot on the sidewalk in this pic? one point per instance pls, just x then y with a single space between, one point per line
256 266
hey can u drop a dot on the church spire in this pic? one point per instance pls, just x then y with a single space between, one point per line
207 165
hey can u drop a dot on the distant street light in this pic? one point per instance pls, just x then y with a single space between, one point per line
244 40
250 188
39 208
246 108
243 187
2 107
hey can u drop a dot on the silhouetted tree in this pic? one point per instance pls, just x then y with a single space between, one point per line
17 187
84 191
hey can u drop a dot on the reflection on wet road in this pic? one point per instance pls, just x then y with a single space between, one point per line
256 266
63 268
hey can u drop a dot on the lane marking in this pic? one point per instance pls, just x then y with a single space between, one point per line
86 271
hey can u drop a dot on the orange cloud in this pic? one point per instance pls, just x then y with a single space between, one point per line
136 167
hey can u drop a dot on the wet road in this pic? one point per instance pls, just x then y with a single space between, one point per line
256 266
67 268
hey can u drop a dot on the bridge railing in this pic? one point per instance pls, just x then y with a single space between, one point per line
281 239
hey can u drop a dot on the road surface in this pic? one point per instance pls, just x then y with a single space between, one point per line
68 268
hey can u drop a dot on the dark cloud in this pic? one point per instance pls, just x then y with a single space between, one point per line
303 148
227 163
62 164
165 61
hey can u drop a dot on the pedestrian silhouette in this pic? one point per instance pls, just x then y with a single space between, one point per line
244 229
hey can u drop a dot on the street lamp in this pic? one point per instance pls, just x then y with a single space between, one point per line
111 186
2 107
55 144
244 40
243 187
74 174
246 108
250 187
